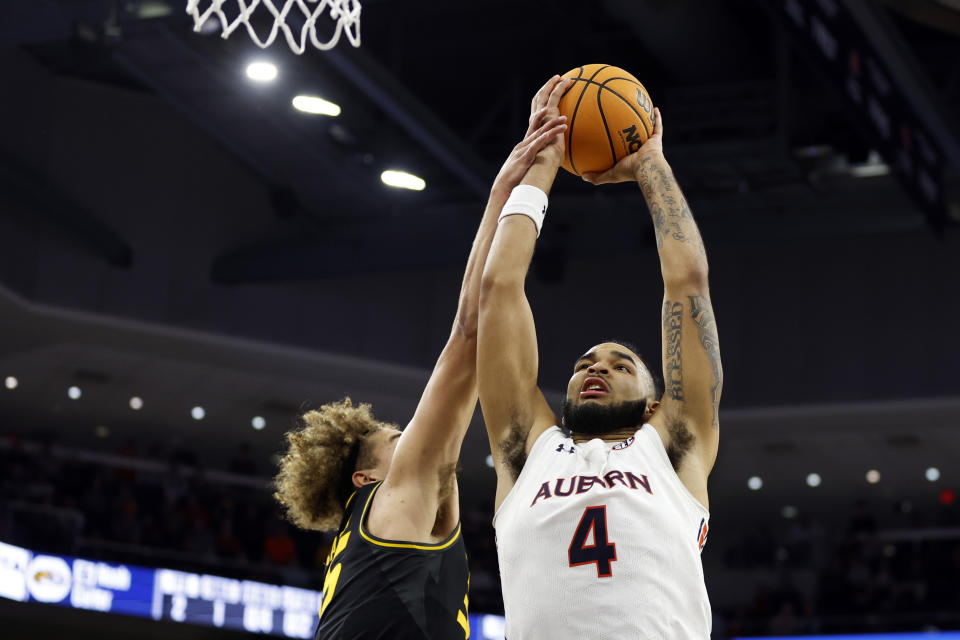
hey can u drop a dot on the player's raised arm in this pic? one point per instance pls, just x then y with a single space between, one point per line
421 477
514 409
692 372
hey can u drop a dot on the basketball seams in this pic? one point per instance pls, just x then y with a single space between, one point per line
606 128
573 116
602 86
627 102
593 153
573 121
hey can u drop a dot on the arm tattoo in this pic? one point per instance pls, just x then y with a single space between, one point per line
672 370
701 312
673 218
658 222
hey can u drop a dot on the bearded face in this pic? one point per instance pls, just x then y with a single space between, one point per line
610 390
595 419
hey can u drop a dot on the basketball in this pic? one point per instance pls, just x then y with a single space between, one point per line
609 115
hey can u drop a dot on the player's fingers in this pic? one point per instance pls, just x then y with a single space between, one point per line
532 136
545 125
596 177
540 97
557 92
549 88
535 118
592 178
657 122
544 139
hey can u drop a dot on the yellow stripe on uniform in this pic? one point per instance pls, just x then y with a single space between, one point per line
402 545
462 615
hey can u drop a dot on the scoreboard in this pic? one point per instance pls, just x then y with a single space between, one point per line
235 604
178 596
160 594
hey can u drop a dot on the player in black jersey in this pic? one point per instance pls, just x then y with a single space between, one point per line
397 569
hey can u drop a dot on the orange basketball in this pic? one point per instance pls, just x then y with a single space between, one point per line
609 115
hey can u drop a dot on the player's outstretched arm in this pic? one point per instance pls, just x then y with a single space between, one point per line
692 371
514 409
421 479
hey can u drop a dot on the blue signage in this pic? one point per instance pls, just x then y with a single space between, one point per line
178 596
215 601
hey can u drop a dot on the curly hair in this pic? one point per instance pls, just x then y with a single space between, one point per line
314 480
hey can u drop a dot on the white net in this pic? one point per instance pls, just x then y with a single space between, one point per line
296 19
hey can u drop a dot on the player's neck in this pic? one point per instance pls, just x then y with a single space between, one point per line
617 435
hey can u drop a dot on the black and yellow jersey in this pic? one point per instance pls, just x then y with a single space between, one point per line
385 589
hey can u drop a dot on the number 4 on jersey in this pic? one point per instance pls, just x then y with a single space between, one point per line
602 552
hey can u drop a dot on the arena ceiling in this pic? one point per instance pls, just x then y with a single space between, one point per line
171 230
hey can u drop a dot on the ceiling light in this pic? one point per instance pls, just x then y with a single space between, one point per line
874 166
933 474
869 170
489 460
74 393
755 483
258 422
11 382
873 476
814 480
136 403
198 413
262 71
402 180
789 511
153 9
315 104
101 431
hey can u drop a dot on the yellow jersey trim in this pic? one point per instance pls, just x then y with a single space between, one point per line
422 546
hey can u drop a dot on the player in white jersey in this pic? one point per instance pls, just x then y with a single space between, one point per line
601 516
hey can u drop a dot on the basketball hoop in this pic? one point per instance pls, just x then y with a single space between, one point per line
302 14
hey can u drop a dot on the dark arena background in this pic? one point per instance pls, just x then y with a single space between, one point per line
187 261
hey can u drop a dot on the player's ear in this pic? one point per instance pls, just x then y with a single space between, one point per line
651 409
362 478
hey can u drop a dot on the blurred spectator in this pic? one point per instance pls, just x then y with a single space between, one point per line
228 545
785 621
199 539
243 462
180 455
862 522
124 515
889 568
278 546
128 450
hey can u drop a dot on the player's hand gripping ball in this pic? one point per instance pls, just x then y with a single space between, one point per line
609 115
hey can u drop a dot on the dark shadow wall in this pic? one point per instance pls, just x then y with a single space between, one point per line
824 319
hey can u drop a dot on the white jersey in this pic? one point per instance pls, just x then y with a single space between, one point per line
602 540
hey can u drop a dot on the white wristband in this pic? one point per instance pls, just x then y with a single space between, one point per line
526 200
